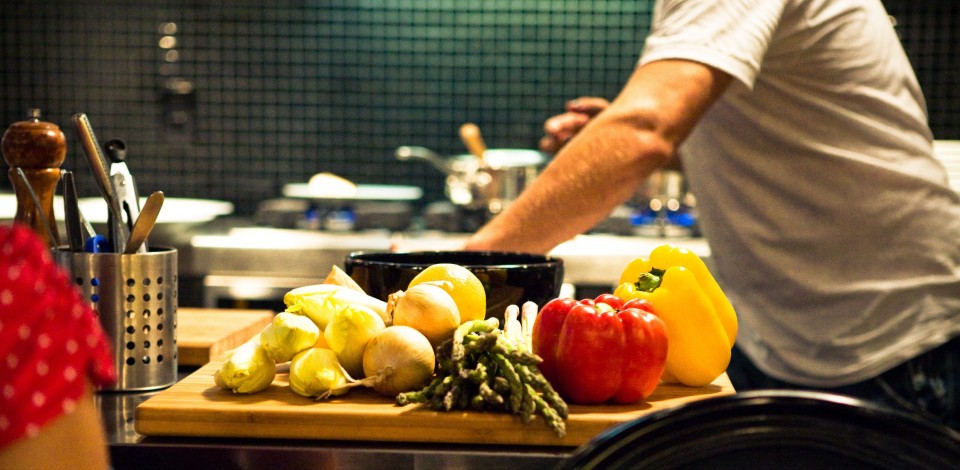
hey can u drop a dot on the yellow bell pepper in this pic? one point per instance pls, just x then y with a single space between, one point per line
701 323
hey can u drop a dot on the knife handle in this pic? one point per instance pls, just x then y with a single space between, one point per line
116 150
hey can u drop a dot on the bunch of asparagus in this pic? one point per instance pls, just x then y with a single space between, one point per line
480 368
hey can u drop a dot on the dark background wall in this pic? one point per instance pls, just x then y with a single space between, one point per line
232 99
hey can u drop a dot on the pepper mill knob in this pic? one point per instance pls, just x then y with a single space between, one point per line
38 148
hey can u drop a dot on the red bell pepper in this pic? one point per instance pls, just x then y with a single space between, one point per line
598 350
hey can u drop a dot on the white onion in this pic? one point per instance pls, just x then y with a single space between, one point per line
427 308
399 359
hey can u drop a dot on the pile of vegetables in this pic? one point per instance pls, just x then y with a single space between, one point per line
667 320
336 337
413 348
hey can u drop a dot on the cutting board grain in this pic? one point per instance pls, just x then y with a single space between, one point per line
206 334
198 408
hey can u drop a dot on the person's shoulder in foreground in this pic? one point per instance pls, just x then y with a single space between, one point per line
52 352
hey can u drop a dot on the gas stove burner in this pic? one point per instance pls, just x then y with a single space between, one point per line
354 216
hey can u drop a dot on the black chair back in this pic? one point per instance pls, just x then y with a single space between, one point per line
773 429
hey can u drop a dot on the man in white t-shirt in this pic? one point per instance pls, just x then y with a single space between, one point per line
804 135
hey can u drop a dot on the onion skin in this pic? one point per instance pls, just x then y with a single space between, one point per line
427 308
400 358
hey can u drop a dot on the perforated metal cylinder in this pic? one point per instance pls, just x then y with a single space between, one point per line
135 297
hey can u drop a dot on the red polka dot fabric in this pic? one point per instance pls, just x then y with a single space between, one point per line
50 340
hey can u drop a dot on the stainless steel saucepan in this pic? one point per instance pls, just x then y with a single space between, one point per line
489 183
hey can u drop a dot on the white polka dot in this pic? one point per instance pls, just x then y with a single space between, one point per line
42 368
44 340
4 423
13 273
40 286
72 346
70 374
69 405
38 399
91 340
12 361
6 297
77 311
8 249
24 332
32 430
8 391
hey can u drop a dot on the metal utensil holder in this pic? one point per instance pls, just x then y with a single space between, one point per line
135 297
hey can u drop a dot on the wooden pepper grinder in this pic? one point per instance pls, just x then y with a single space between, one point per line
38 148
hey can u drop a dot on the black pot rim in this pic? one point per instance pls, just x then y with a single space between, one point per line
414 259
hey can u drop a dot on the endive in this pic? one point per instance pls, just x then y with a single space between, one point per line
348 333
249 369
321 301
288 334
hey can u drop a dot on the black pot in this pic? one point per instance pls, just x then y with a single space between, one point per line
507 278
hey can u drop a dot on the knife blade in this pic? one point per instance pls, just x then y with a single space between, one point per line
71 211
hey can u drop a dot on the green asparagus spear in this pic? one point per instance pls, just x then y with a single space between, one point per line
532 376
516 385
551 416
528 405
473 326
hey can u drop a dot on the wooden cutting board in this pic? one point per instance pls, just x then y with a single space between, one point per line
206 334
198 408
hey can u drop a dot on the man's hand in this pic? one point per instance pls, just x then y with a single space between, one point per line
561 128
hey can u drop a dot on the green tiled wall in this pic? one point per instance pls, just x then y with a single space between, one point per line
253 95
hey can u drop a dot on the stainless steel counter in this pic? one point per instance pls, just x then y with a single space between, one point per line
255 263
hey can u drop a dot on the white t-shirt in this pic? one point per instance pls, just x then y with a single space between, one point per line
832 228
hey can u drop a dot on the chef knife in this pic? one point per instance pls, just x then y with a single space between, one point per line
80 232
71 211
